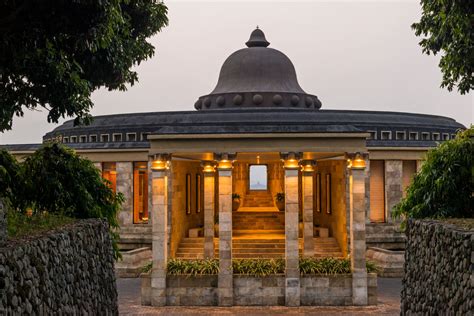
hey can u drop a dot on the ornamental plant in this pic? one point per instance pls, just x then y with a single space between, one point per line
445 184
260 267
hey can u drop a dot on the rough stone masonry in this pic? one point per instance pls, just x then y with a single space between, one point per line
439 270
65 272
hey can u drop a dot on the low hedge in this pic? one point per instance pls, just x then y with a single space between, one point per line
261 267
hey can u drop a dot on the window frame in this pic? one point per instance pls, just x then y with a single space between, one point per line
93 138
413 133
248 178
389 133
114 135
403 133
147 195
102 138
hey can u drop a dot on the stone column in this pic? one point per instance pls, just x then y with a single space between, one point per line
393 185
225 281
419 164
292 274
98 165
357 235
3 224
159 216
209 194
125 186
308 231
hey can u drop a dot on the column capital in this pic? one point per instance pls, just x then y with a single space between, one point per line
208 167
291 160
225 161
160 161
307 166
357 160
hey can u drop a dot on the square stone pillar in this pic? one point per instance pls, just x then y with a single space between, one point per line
393 185
98 165
159 216
292 274
125 186
357 235
225 282
209 196
308 231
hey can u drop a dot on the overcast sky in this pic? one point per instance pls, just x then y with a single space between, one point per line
358 55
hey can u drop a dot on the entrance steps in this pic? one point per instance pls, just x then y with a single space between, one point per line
261 247
258 198
261 221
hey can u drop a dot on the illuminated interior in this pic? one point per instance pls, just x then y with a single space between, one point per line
109 173
140 192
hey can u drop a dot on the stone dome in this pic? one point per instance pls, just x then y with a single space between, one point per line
257 76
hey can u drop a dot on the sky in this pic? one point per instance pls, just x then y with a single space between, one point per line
354 55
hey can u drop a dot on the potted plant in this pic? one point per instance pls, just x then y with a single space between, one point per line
235 201
280 201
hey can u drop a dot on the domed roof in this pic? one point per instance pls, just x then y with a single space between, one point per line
257 76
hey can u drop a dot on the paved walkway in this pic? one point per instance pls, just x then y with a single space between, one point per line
388 294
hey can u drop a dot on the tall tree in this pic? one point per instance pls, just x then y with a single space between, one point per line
448 26
55 53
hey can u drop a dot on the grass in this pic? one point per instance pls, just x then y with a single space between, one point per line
261 267
21 225
464 223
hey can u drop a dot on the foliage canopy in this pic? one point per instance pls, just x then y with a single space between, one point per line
448 26
56 180
445 184
54 54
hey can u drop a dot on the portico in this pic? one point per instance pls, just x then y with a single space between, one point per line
296 161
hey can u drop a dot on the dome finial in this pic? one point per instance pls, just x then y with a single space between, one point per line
257 39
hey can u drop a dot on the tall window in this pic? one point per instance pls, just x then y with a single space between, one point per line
377 191
110 174
140 192
258 177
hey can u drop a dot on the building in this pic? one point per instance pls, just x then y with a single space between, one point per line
257 134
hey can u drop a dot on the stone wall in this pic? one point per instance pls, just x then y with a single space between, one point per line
68 271
259 291
439 263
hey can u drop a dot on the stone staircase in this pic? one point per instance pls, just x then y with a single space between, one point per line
258 199
260 223
257 235
261 247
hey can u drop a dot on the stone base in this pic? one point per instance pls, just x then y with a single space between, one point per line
315 290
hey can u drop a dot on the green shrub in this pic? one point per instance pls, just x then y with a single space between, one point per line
445 184
258 267
192 267
56 180
10 178
20 225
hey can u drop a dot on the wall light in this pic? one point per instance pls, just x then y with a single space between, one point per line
224 161
356 161
308 165
291 160
208 166
160 162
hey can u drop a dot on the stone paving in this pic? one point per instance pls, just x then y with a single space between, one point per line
388 297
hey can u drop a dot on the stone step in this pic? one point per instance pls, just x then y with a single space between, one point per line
258 250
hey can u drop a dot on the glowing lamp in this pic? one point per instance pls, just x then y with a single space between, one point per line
224 162
357 162
307 165
208 167
160 162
